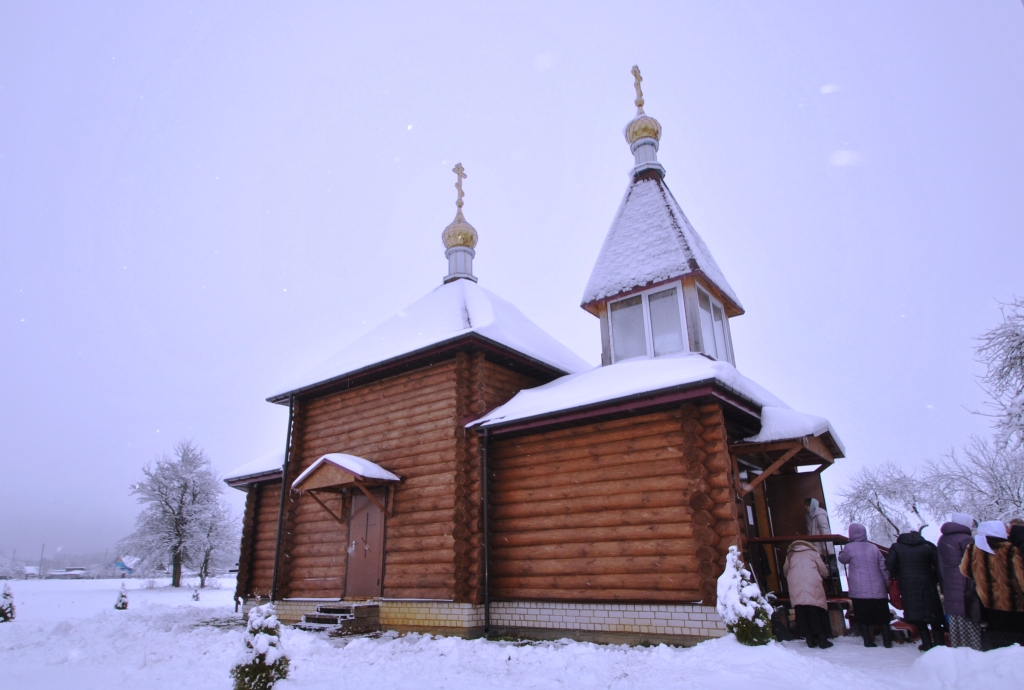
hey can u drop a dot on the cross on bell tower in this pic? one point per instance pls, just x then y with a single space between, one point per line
459 237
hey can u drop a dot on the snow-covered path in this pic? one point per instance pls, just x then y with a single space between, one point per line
67 635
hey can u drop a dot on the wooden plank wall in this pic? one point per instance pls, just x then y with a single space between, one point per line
259 538
623 510
406 424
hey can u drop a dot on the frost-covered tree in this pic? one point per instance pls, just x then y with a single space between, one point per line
1001 350
263 661
213 547
887 500
183 510
746 612
10 567
7 605
984 480
122 598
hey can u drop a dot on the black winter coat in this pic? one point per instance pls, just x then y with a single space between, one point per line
914 562
952 545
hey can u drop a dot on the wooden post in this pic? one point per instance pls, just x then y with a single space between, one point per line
284 495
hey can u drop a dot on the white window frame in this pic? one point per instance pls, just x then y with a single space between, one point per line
648 334
727 345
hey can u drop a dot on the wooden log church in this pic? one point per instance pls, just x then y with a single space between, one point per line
457 470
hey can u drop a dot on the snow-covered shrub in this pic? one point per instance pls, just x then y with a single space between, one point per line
746 612
263 661
7 605
195 594
122 599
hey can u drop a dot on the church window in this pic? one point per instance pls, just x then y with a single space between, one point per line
647 325
712 326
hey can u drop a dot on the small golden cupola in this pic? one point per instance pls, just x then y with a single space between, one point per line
643 133
459 237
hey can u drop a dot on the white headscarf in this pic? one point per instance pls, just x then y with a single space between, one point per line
989 528
962 519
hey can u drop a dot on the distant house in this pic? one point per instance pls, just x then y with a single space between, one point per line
467 472
72 573
31 571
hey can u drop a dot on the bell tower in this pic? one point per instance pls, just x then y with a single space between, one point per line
655 285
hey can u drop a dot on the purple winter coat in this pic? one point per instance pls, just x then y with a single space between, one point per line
952 545
867 574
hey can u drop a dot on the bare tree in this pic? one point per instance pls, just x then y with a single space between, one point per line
985 480
887 500
1001 350
181 495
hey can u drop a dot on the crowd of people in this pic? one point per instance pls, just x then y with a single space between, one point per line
970 585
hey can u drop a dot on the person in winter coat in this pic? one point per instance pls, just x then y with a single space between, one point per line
804 571
914 562
956 535
997 568
869 585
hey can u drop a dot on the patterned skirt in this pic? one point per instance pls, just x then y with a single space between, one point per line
963 632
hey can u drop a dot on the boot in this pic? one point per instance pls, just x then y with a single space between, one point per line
825 643
887 637
812 641
926 638
869 638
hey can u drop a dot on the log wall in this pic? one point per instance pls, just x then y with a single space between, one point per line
259 539
410 424
634 509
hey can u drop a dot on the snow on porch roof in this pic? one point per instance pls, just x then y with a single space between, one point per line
267 464
453 310
650 241
360 467
641 376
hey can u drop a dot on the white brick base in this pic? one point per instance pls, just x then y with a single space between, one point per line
445 617
650 619
430 614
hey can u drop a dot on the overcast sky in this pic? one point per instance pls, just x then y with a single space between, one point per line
199 201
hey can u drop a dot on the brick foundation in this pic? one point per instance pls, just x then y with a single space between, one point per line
671 623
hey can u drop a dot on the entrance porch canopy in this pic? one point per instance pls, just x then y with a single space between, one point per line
338 473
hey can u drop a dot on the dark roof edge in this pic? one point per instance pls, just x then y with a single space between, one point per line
387 367
256 477
705 388
719 294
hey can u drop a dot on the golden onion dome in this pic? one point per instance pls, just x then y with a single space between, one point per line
459 233
643 126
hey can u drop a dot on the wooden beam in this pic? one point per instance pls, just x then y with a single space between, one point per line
369 495
324 506
796 448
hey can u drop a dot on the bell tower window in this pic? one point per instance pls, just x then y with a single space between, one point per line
713 327
649 324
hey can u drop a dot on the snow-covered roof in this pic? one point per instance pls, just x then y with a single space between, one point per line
451 311
650 241
360 467
271 462
642 376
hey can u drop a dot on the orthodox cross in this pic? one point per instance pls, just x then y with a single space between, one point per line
636 85
460 173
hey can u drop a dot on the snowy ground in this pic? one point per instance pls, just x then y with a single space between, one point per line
67 635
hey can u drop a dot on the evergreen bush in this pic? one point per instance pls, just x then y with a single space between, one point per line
746 612
263 661
122 599
7 605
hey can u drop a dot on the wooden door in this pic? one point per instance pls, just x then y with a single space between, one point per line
365 547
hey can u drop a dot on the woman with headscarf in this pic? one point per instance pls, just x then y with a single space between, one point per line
956 535
993 563
817 522
869 585
804 571
913 561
